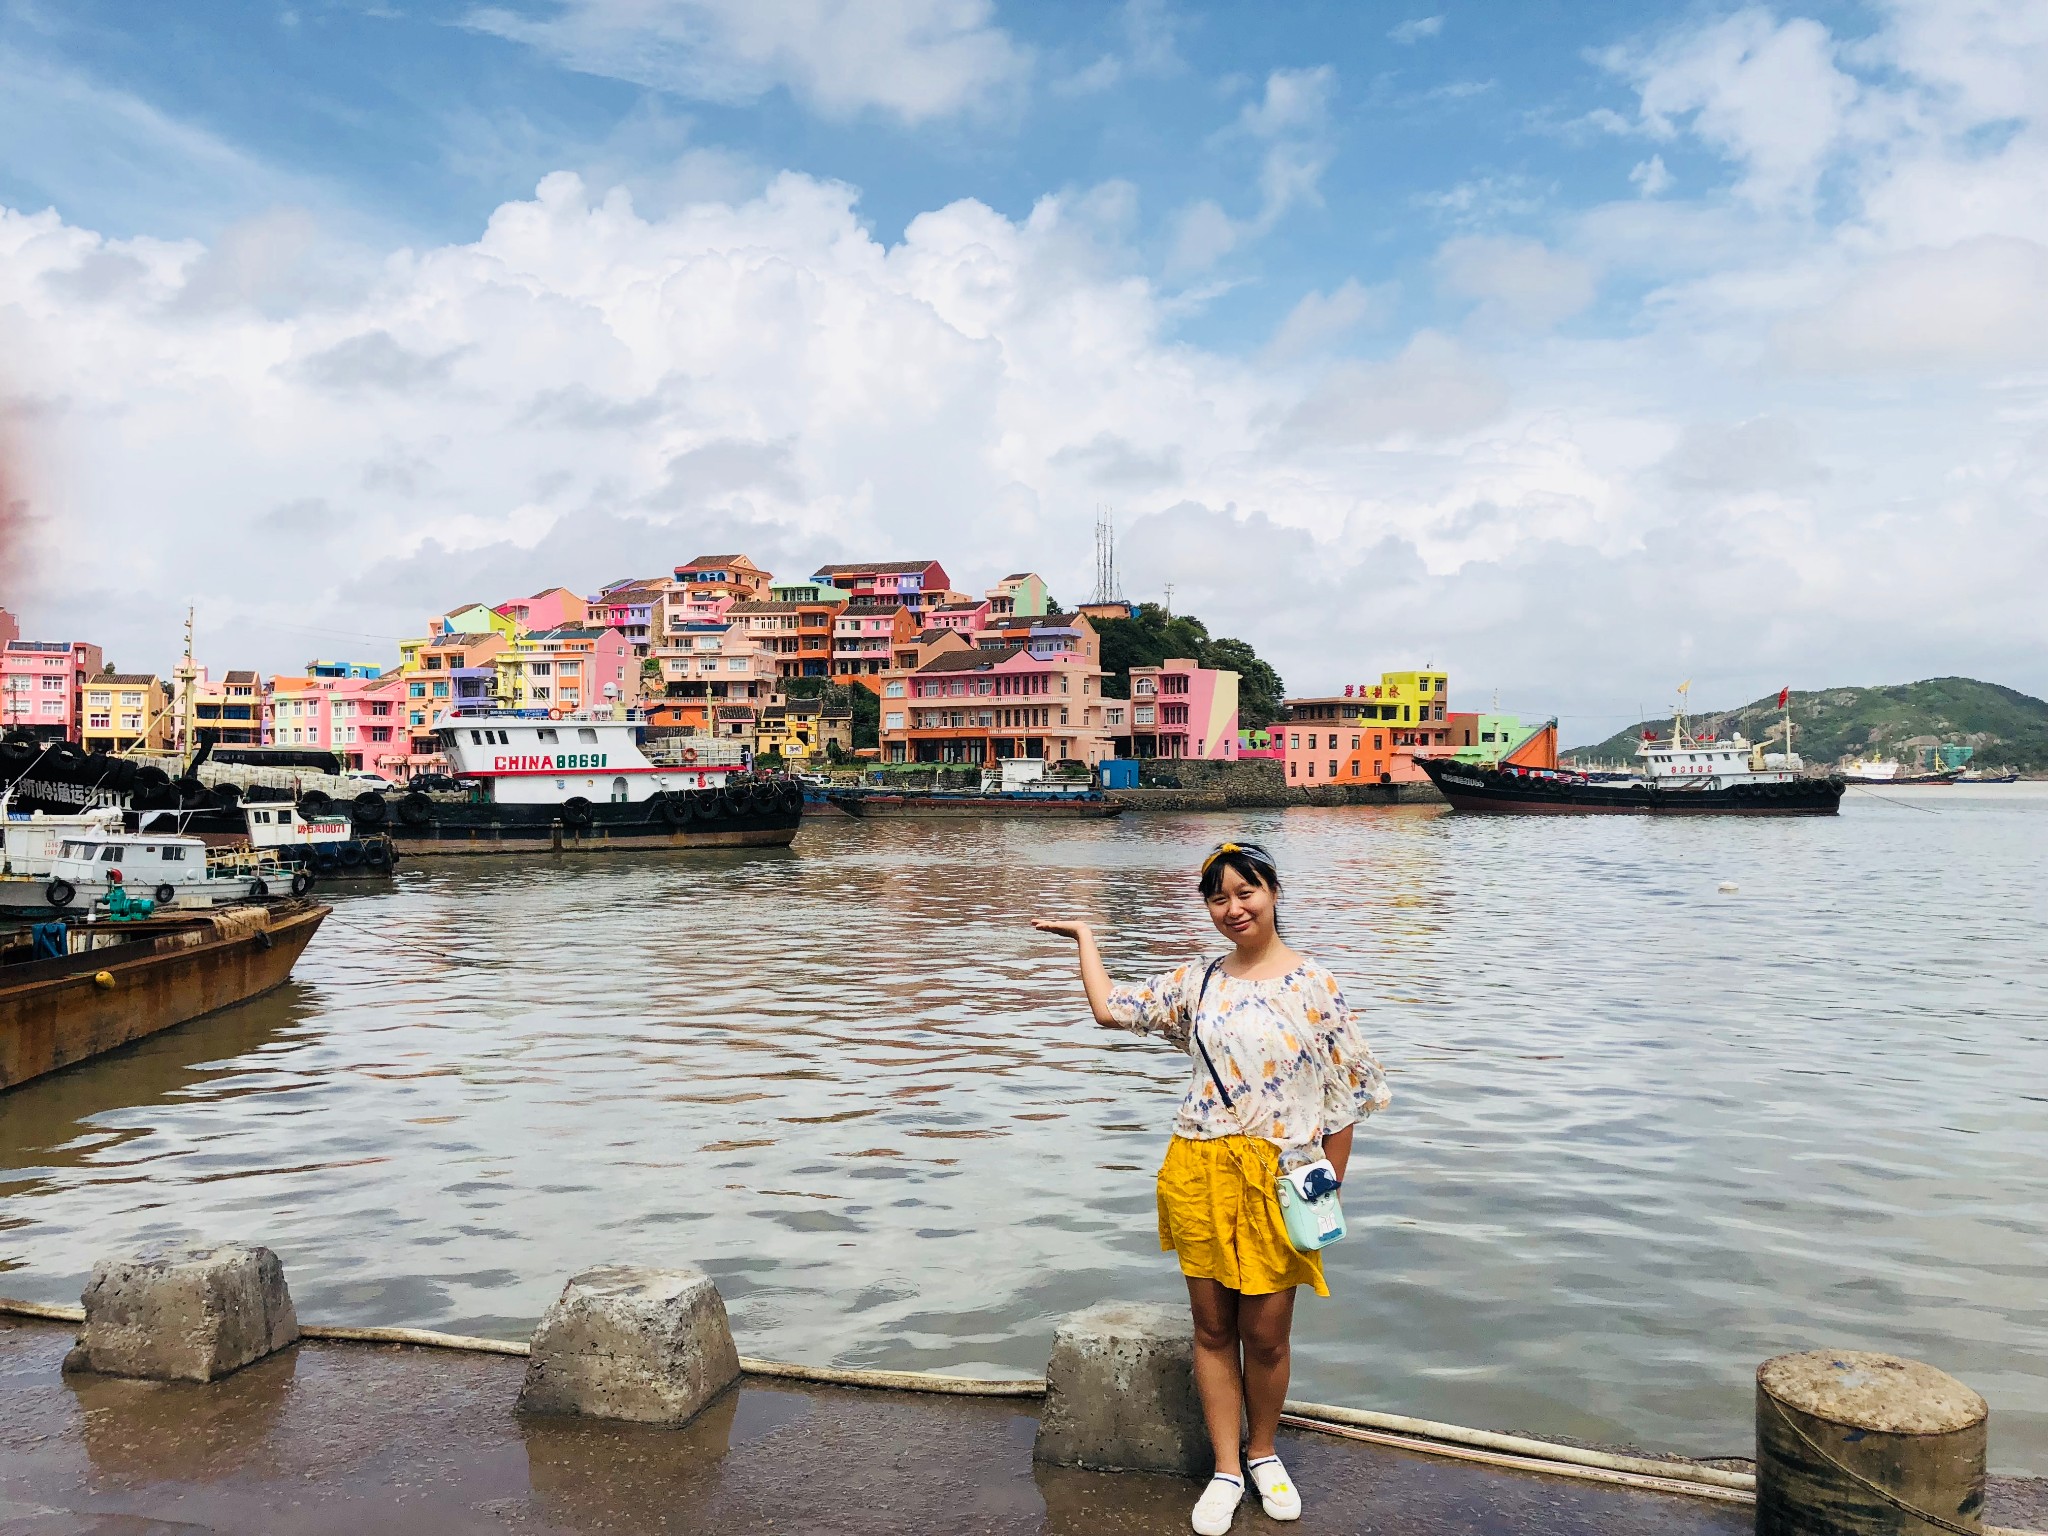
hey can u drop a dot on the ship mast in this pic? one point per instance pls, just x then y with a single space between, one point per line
188 706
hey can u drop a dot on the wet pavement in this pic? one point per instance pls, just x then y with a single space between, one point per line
347 1440
351 1439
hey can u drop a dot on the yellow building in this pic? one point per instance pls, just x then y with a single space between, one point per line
125 712
804 731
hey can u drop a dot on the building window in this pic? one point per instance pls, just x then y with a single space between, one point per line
1295 739
1333 767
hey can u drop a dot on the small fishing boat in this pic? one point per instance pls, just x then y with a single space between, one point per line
1868 770
313 834
1015 787
537 781
107 867
70 991
1684 775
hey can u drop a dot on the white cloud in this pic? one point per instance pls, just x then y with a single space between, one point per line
1290 119
1415 30
1650 178
1982 302
595 386
1434 389
1320 320
1516 282
914 59
1768 94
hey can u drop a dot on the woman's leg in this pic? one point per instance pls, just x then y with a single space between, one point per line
1264 1323
1217 1379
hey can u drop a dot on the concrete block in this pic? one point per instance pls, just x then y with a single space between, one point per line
623 1342
1120 1392
185 1313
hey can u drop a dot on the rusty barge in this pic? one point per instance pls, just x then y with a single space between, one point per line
73 991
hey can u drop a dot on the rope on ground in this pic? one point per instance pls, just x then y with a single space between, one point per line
1678 1479
1519 1445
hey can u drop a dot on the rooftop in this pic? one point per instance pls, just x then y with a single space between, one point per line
878 568
975 660
122 678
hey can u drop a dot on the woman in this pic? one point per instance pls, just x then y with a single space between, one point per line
1299 1076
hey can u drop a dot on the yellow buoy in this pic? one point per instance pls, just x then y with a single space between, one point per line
103 980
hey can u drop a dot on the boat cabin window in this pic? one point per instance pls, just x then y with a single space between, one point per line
476 738
586 734
110 853
174 855
548 735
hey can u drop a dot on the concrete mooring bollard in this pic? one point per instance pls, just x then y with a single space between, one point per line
622 1342
1850 1443
185 1313
1120 1392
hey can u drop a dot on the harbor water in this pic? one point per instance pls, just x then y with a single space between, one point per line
1647 1130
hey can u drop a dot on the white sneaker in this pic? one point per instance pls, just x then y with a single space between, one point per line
1276 1489
1217 1506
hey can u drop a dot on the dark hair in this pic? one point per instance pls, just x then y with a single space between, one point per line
1246 859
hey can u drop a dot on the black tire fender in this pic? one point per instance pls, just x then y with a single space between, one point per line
166 894
259 889
60 893
415 809
576 812
302 882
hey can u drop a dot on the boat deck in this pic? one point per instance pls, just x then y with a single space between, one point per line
329 1438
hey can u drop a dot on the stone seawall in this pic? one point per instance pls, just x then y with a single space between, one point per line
1274 798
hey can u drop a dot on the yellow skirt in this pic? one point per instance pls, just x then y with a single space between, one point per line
1218 1212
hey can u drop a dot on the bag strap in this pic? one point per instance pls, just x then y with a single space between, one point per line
1195 1032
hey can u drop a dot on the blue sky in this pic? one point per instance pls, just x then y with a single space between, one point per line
403 122
1706 339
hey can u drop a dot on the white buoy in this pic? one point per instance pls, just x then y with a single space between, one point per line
1729 887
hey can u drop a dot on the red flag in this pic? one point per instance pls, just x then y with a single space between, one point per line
1783 695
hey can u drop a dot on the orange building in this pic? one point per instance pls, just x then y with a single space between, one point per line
1368 734
798 635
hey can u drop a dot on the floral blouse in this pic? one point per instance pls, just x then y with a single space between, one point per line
1297 1067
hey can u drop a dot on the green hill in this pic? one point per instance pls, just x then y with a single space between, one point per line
2008 728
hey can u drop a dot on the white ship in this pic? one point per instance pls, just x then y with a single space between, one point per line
541 780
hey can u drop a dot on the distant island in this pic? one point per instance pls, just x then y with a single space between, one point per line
2009 729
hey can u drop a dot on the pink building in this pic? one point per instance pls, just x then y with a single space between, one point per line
985 703
329 714
969 617
919 585
42 685
556 608
1181 710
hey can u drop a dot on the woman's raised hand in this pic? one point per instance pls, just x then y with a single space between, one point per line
1065 930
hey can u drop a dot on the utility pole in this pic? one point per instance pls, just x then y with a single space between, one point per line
1169 599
